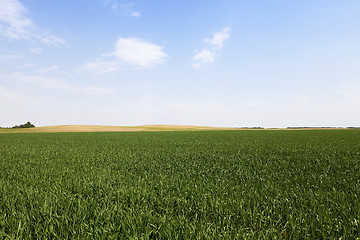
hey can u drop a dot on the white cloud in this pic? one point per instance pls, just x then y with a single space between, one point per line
203 57
136 14
14 24
218 39
207 55
125 9
128 10
137 52
129 52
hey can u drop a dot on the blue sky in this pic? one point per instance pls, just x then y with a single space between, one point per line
215 63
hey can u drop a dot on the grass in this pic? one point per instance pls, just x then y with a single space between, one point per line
181 185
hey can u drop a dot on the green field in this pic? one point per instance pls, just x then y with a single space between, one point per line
181 185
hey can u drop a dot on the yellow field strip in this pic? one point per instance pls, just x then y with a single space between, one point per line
96 128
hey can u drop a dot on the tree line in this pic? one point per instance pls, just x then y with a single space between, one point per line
26 125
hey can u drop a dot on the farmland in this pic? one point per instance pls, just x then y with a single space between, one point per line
242 184
96 128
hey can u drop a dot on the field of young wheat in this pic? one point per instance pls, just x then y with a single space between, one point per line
181 185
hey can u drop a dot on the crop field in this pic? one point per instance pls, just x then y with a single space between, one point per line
245 184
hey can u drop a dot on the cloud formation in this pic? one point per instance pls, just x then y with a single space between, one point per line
14 24
207 55
128 52
203 57
218 39
125 9
128 10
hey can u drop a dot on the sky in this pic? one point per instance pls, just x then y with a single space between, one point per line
231 63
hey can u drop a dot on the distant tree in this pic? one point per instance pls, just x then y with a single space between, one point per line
26 125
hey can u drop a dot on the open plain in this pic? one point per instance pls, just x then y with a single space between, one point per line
180 185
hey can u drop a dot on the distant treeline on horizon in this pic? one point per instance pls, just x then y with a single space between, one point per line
26 125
